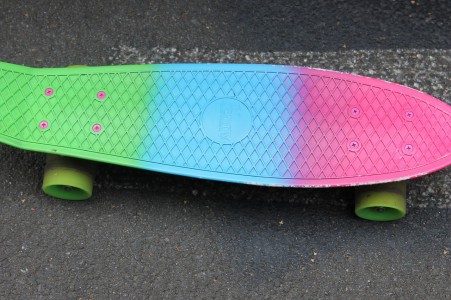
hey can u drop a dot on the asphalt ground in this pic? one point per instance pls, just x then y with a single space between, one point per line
150 235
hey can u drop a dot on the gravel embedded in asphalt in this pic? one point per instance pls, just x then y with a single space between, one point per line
150 235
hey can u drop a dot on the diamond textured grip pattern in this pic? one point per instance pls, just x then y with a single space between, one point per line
307 127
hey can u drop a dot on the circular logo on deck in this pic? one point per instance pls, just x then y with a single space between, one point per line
226 121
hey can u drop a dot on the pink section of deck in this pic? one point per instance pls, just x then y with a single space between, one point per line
363 130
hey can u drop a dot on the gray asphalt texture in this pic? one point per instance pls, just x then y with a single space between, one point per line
149 235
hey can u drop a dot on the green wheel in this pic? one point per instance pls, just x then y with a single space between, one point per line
383 202
68 178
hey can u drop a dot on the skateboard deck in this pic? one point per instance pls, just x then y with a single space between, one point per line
257 124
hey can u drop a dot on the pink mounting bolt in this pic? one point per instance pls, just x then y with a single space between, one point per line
354 145
43 125
101 95
96 128
408 148
354 112
409 115
49 92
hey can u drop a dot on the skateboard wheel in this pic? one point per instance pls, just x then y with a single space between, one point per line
68 178
383 202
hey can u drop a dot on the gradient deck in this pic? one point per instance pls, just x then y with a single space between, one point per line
258 124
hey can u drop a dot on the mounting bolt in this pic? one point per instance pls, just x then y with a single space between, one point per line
408 148
43 125
49 92
355 112
409 116
354 145
96 128
101 95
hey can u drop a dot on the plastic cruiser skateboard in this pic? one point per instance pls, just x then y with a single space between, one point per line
254 124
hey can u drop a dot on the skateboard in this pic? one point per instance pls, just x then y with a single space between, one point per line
268 125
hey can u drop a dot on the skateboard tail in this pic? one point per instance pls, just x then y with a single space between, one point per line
268 125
